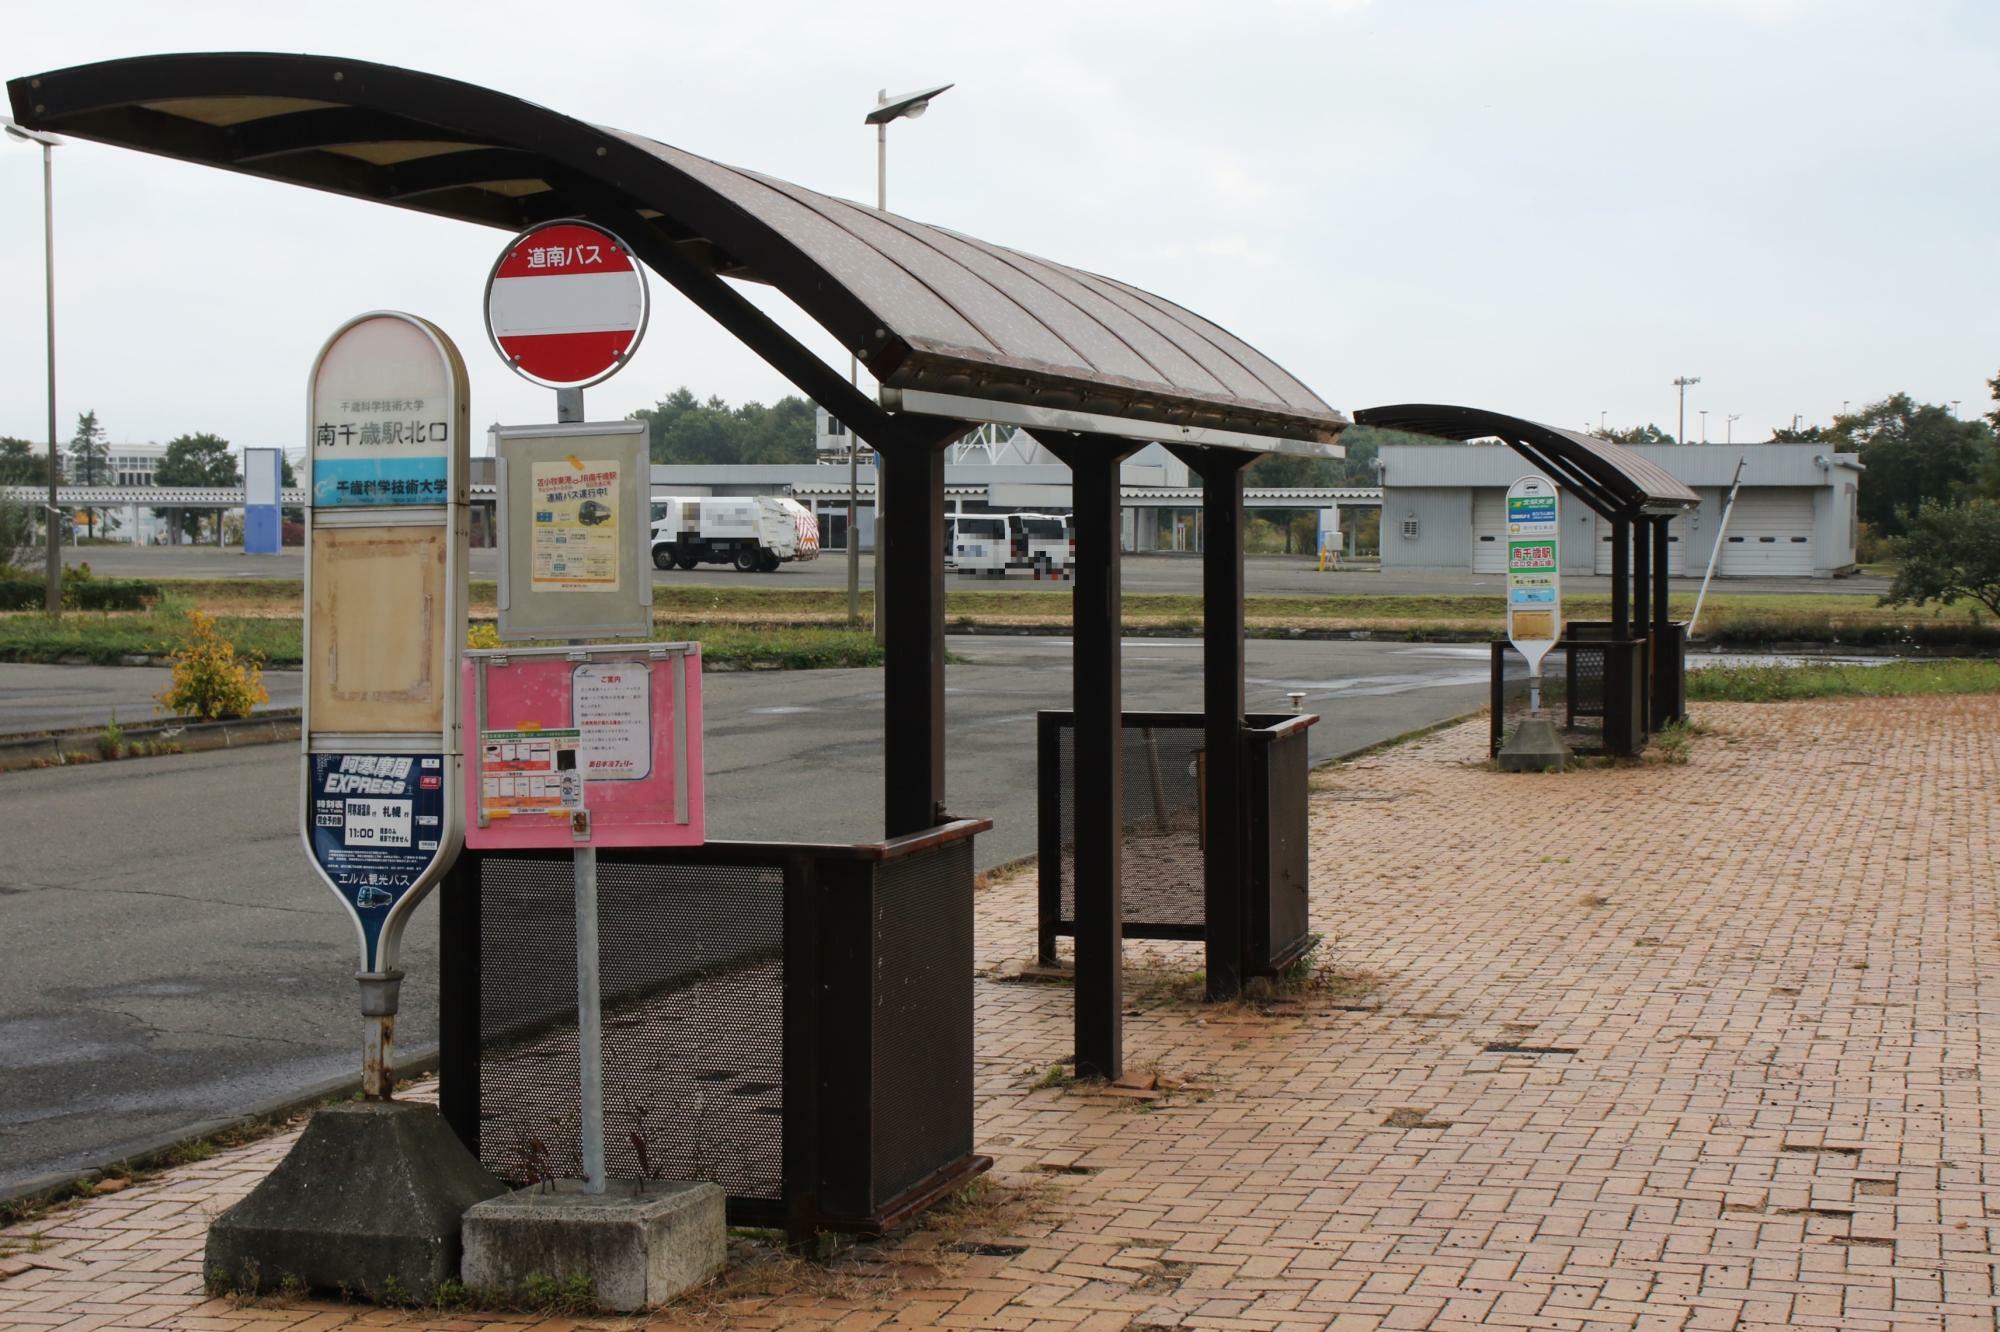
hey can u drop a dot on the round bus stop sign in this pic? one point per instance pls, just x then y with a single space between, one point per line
566 304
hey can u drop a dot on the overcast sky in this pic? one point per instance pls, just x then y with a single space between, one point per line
1549 208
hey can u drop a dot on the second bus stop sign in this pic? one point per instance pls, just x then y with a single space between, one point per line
566 304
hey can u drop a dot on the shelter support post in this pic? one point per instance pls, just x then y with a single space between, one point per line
1621 578
1642 578
1098 748
1642 613
1224 871
909 549
1661 615
1668 679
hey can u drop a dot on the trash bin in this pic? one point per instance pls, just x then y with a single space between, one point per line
1167 809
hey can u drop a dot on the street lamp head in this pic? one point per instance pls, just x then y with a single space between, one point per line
27 135
906 107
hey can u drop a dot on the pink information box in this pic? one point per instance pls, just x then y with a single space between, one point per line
583 746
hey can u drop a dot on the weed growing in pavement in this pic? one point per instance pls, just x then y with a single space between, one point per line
1671 745
1413 1117
111 740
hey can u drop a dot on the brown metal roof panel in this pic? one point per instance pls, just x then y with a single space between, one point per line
1088 343
903 304
1658 483
1225 369
1171 367
958 309
1289 388
1003 323
1632 480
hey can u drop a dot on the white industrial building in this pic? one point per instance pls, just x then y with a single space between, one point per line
1443 507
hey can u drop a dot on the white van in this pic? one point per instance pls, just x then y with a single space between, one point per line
976 544
1040 541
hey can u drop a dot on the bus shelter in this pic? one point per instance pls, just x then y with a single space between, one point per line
1632 667
857 958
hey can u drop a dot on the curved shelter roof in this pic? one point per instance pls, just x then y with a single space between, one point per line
926 308
1612 479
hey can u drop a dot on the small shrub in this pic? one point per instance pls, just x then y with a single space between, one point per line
210 681
111 740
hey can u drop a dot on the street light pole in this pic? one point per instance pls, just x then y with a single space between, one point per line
907 107
49 143
1682 383
1704 425
1729 427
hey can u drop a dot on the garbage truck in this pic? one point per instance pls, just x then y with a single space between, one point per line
756 533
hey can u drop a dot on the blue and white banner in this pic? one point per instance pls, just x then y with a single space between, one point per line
378 821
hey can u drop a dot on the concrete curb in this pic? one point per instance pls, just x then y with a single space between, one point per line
1403 738
140 1153
51 749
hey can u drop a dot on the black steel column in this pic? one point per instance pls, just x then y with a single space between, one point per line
1621 578
910 544
1642 580
1098 748
458 999
1661 614
1225 911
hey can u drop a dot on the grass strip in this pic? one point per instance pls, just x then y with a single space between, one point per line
1833 618
109 639
1774 684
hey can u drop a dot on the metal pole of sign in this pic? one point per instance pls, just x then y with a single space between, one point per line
589 997
1722 530
589 1020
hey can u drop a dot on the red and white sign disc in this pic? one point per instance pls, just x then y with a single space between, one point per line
566 304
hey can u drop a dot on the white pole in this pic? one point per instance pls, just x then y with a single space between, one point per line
589 1021
589 1001
1728 507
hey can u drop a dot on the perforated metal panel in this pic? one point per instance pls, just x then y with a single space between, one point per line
1578 715
1162 863
692 960
922 1053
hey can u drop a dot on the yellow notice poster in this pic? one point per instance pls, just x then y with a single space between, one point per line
575 526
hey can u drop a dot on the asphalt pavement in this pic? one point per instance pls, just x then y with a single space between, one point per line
66 698
173 962
1291 575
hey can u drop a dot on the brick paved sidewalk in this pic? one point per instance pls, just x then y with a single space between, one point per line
1668 1046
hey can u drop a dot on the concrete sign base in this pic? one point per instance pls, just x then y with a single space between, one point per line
367 1203
1535 748
640 1243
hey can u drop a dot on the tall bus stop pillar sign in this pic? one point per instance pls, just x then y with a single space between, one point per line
386 520
1534 577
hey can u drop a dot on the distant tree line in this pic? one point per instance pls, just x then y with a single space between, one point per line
681 428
